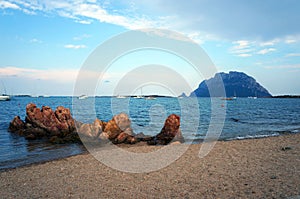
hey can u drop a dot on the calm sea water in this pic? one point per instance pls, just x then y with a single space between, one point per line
245 118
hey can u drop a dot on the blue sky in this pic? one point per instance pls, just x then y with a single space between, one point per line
44 43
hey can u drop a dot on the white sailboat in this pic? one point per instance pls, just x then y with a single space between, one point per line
121 97
81 97
4 96
139 96
150 98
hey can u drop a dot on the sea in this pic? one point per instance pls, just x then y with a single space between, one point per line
242 118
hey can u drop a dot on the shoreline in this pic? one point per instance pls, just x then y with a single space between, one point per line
255 168
193 142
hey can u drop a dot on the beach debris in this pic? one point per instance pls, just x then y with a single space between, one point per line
286 148
59 127
170 132
273 177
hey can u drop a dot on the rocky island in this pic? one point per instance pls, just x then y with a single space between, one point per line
236 84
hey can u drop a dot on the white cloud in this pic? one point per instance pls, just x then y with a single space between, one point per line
242 44
244 55
242 48
62 75
266 51
35 40
288 66
293 55
270 43
81 37
231 19
87 22
290 41
85 11
6 4
72 46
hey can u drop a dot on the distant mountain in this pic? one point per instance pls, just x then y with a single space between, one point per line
236 84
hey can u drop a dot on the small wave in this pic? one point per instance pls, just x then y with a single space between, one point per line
296 131
253 136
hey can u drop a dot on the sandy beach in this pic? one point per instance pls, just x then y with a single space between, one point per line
256 168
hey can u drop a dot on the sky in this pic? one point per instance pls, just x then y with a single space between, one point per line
45 43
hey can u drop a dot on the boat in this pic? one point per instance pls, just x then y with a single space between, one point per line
121 97
138 97
141 96
81 97
4 97
150 98
228 98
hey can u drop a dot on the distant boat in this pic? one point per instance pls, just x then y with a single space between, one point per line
81 97
138 97
228 98
150 98
121 97
4 97
252 97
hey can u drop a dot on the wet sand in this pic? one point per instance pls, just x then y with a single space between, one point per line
256 168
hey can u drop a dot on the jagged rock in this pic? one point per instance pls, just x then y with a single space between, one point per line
125 138
16 124
90 130
45 123
120 123
170 132
58 123
59 127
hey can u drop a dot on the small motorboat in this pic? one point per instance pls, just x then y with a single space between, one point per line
4 97
81 97
228 98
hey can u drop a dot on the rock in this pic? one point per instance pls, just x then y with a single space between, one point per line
46 123
236 84
58 123
104 136
143 137
170 132
131 140
175 143
90 130
30 137
16 124
36 132
120 123
121 138
59 127
66 122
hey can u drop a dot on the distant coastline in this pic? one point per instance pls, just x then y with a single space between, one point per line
286 96
156 96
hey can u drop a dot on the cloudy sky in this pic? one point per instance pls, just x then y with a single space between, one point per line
44 43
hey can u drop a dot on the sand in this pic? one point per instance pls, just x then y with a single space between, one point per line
257 168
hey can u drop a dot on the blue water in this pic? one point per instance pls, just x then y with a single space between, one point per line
245 118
